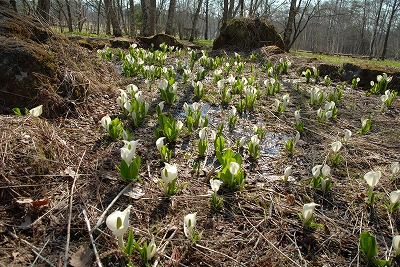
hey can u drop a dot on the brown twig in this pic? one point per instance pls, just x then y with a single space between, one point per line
75 176
91 238
40 252
100 220
266 239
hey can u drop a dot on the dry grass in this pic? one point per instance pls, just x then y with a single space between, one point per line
44 205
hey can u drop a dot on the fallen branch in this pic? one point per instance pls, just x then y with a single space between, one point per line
75 176
100 221
91 238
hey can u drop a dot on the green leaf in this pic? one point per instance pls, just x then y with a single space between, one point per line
382 263
17 111
368 245
129 245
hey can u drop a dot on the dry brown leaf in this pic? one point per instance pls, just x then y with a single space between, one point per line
82 258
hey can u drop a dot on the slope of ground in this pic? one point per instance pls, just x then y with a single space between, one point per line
46 208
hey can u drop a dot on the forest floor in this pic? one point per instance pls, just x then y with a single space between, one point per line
58 177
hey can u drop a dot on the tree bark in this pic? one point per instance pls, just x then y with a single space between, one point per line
121 15
152 17
360 48
132 28
394 10
43 9
373 38
206 21
289 25
98 17
225 12
230 10
14 5
114 21
169 27
196 16
145 19
241 4
69 18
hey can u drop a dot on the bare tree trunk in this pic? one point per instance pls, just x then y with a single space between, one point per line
289 25
241 4
196 16
132 28
373 38
145 19
43 9
206 28
225 12
14 5
121 16
61 13
69 18
81 15
114 21
394 10
169 27
230 10
152 17
98 17
364 22
299 26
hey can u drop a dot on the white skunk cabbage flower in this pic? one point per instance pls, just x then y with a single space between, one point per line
196 106
105 122
213 135
232 112
347 135
118 223
163 84
394 167
234 168
336 146
160 143
297 116
287 173
255 140
372 178
242 141
215 184
396 244
37 111
128 151
189 222
326 170
161 105
202 133
169 173
132 89
308 210
151 249
316 170
179 125
394 197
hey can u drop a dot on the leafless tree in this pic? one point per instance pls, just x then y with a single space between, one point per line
169 27
395 8
373 37
113 18
194 20
132 28
43 9
14 5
